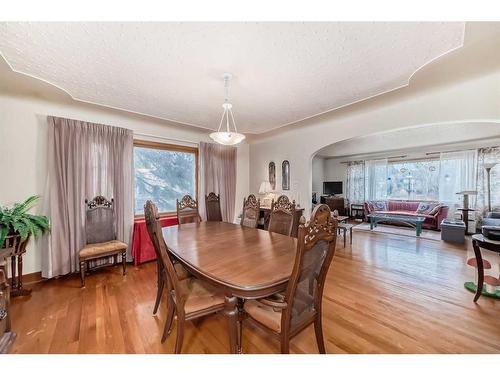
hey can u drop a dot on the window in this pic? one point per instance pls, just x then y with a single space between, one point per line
413 180
163 173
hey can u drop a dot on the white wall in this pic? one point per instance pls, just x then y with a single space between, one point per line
336 171
318 174
472 100
23 147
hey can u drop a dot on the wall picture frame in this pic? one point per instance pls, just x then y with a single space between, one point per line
285 175
272 175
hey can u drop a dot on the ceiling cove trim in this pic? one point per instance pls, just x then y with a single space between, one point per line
252 133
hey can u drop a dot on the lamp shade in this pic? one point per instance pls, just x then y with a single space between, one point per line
489 165
265 187
227 138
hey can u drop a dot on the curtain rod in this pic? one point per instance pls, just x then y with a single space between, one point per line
166 138
390 157
469 149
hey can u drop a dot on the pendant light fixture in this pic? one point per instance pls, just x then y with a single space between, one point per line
227 137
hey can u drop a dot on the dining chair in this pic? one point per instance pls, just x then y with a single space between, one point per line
281 216
187 210
187 299
161 272
212 207
287 314
100 236
251 212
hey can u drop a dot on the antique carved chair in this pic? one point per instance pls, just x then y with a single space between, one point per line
100 235
161 272
187 299
281 216
187 210
251 212
212 206
285 315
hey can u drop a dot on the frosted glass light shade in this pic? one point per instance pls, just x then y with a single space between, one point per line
227 138
489 165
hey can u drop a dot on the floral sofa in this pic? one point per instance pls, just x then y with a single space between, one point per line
434 212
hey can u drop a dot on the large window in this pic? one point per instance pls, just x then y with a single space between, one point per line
413 180
163 173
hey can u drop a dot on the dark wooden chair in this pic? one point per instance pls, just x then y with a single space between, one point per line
281 216
251 212
187 299
212 207
187 210
287 314
161 272
100 234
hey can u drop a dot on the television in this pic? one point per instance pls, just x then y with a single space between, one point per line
332 187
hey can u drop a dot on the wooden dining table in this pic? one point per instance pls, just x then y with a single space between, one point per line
243 263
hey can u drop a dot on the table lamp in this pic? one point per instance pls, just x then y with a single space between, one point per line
266 190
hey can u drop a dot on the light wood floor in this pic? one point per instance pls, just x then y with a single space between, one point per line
386 294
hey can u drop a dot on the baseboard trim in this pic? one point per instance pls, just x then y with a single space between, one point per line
31 278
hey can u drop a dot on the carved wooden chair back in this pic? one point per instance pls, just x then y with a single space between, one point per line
161 249
187 210
315 251
99 220
251 212
281 216
212 206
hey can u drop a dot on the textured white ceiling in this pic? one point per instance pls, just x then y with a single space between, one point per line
283 72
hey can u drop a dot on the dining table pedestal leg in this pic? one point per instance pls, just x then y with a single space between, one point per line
231 313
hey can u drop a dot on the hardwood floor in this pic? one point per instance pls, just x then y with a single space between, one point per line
385 294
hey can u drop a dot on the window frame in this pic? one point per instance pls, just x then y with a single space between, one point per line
168 147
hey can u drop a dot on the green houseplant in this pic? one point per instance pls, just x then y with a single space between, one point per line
17 220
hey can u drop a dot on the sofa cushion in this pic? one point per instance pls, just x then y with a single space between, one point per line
394 205
378 205
426 207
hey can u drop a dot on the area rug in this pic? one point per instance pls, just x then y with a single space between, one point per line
400 231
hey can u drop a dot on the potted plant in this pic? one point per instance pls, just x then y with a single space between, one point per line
16 220
16 226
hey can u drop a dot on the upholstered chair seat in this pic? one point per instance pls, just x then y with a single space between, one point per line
264 314
199 296
102 249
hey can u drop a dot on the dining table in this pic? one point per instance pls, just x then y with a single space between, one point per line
243 263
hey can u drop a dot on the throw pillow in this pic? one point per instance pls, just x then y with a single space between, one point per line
426 208
436 209
379 205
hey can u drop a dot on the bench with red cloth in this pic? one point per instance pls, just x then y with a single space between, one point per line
142 247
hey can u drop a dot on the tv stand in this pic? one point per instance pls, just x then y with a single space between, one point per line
335 202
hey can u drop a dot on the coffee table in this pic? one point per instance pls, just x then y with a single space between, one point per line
413 221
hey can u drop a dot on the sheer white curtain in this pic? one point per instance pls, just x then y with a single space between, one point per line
457 172
376 179
355 189
84 160
490 156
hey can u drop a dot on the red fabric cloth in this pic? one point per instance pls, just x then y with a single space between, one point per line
142 247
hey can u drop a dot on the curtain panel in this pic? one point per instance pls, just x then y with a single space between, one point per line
218 175
375 179
84 160
457 172
489 155
355 189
